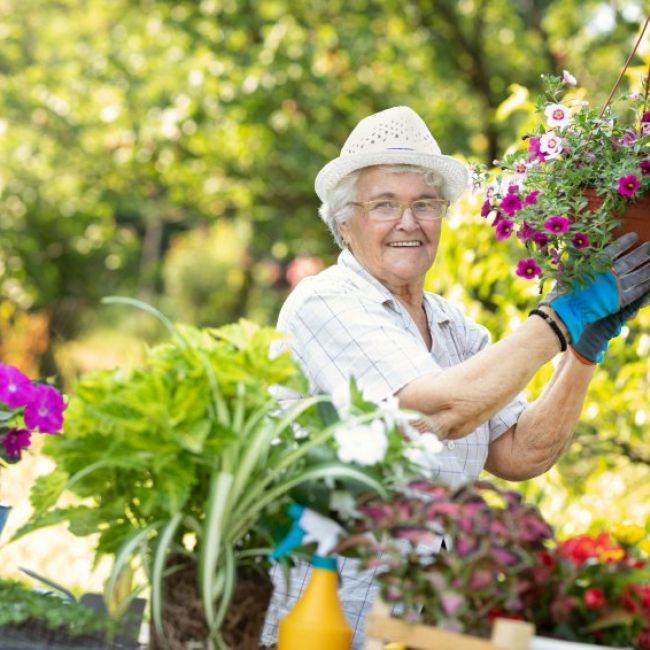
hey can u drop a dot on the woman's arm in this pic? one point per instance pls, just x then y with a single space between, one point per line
457 400
531 446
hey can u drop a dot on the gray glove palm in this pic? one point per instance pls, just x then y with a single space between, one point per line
595 338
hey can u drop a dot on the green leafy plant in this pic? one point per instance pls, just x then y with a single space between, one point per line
562 195
28 615
193 457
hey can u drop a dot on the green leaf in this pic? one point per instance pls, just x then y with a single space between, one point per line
47 489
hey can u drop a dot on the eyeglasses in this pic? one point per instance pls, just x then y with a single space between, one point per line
388 210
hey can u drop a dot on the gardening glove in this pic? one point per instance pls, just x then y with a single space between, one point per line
596 336
609 291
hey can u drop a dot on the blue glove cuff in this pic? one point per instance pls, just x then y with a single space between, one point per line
584 305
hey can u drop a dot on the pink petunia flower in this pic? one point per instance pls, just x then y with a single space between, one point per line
15 440
486 208
511 203
534 150
520 168
15 389
528 269
580 240
568 78
557 224
504 229
526 232
645 167
531 197
540 238
645 117
44 412
557 115
628 185
550 145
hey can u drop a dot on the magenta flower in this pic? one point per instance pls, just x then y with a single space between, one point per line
15 440
580 240
646 117
511 203
504 229
645 167
526 232
535 152
531 198
486 208
540 238
528 269
628 185
44 412
15 389
557 224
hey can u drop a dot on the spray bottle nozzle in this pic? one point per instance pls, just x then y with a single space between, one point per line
308 526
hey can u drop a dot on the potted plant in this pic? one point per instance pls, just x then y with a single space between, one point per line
25 407
185 467
581 178
503 563
29 620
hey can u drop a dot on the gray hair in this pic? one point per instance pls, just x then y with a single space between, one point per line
336 208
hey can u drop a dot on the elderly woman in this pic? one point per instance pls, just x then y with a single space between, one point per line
368 317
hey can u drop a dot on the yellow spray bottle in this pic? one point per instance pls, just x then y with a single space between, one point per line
317 621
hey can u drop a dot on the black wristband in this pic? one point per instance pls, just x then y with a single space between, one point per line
553 325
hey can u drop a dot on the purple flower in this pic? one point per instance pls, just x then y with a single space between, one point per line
526 232
16 440
513 188
486 208
540 238
535 151
628 185
531 198
645 167
451 602
580 240
646 117
504 229
528 269
511 203
44 411
557 224
15 389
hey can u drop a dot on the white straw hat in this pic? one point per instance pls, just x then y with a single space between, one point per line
396 136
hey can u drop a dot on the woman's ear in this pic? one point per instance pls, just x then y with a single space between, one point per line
344 231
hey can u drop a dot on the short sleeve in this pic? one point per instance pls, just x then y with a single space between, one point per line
336 336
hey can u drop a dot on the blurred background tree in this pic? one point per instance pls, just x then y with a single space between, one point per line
167 150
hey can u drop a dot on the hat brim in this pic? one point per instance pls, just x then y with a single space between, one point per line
453 173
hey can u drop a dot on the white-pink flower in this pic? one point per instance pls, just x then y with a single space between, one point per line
550 145
568 78
520 168
557 115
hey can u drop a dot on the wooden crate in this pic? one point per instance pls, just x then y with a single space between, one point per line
382 628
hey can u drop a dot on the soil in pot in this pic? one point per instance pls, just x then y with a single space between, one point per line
183 613
635 218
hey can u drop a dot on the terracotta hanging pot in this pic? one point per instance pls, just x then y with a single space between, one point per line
635 218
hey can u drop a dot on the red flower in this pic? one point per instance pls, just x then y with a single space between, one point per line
594 598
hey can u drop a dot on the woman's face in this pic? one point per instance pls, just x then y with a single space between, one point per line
400 252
